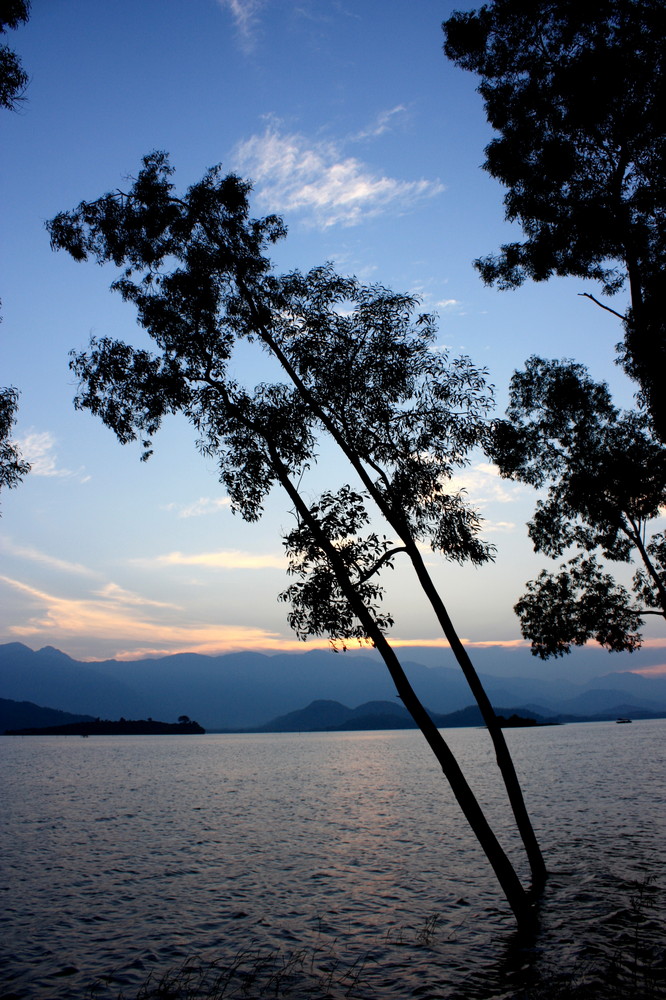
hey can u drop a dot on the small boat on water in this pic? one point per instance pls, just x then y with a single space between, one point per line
621 722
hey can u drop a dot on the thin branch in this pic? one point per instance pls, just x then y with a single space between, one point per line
380 562
587 295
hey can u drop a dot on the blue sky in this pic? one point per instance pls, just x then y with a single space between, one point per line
353 126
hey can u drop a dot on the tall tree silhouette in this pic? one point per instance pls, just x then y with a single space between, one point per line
360 367
577 95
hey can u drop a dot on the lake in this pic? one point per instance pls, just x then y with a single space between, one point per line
335 862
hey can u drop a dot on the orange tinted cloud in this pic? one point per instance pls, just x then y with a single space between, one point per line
127 625
225 559
659 670
134 625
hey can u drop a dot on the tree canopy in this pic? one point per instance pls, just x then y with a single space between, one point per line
604 473
361 366
13 78
576 92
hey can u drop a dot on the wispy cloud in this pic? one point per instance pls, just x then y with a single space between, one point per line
443 644
224 559
200 507
384 121
497 527
127 598
38 448
484 485
34 555
657 671
121 623
245 15
316 180
127 626
97 620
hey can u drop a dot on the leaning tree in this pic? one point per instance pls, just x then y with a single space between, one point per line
576 94
360 366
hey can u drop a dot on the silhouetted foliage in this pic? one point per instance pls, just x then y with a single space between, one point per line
12 466
360 366
605 475
13 78
13 81
577 94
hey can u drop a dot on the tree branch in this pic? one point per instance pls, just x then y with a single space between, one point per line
588 295
380 562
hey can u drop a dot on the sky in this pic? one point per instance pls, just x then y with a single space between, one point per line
353 126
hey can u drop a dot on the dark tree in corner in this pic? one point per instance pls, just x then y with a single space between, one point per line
359 366
13 78
13 81
576 92
605 475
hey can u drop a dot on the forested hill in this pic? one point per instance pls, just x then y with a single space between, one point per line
25 714
107 727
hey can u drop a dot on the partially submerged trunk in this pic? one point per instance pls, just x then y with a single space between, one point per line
503 757
519 900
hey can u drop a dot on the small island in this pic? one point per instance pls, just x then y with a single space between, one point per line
123 727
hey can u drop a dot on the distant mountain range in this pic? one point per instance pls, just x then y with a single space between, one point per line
248 690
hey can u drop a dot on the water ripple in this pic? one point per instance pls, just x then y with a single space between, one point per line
127 856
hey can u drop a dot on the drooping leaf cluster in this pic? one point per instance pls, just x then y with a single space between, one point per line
578 603
576 92
319 607
604 473
12 467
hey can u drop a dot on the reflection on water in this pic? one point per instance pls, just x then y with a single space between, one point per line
126 855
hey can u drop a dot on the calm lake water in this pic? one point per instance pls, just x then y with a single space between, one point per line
123 856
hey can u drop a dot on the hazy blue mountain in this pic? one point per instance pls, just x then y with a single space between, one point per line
634 684
582 665
596 700
245 690
49 677
325 715
25 715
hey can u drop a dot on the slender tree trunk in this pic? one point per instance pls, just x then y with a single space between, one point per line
634 536
517 897
645 330
503 757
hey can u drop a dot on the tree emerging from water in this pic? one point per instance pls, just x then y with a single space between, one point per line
359 365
